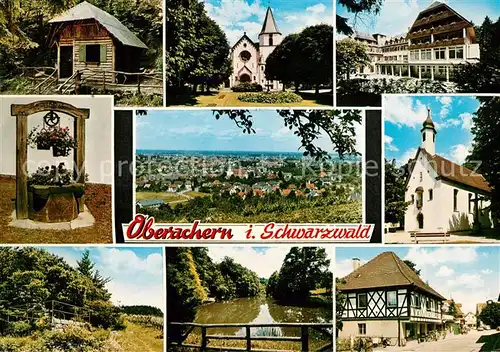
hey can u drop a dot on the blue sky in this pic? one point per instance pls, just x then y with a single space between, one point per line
238 16
136 272
452 115
469 275
199 130
397 15
263 260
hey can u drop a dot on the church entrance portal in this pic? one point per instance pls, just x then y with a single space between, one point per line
420 219
244 78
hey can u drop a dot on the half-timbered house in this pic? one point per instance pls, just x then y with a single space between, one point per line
386 298
94 43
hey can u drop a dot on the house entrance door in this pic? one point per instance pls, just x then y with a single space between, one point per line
420 219
65 61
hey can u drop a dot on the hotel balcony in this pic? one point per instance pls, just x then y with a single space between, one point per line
438 43
434 17
438 30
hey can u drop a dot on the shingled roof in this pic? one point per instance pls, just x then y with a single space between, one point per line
454 172
86 11
385 270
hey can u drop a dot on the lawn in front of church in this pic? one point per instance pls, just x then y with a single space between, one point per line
230 99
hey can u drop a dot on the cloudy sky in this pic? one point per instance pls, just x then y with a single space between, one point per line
136 273
404 116
238 16
469 275
263 260
199 130
397 15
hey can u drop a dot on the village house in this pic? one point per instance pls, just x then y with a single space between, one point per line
470 320
444 196
386 298
249 58
437 42
94 43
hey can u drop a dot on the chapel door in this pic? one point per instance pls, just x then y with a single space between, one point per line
66 62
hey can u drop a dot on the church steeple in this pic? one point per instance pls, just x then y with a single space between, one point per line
269 26
429 134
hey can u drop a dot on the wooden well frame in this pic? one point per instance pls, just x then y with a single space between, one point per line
21 113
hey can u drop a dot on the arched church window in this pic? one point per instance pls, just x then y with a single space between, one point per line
244 45
423 136
245 55
270 40
420 197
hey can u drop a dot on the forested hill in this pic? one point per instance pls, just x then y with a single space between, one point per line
25 34
142 310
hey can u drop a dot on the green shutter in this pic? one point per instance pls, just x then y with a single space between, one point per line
104 49
82 53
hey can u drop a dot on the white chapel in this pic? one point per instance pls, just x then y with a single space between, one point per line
444 196
249 58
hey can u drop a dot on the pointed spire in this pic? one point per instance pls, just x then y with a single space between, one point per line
428 123
269 25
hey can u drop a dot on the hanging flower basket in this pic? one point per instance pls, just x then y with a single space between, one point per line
56 137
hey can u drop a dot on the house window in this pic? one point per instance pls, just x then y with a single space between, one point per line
93 53
455 197
421 177
415 300
456 52
430 194
362 329
412 199
428 304
440 54
362 300
427 54
392 299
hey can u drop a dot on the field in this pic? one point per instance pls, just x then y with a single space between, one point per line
230 99
139 338
98 200
168 197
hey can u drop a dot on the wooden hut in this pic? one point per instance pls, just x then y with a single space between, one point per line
93 42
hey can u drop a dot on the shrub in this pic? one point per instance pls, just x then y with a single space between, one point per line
247 87
19 329
106 315
75 338
271 97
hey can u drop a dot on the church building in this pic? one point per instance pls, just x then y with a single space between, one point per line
249 58
444 196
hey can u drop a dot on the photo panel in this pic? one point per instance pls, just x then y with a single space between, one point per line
422 298
79 47
250 298
69 298
56 169
421 46
440 168
249 54
258 166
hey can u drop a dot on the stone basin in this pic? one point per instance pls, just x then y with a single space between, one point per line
55 203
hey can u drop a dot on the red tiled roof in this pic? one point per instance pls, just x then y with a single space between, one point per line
385 270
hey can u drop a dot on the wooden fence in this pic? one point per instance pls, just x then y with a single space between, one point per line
303 339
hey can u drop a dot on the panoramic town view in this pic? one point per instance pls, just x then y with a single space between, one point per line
214 172
417 299
429 47
250 297
440 178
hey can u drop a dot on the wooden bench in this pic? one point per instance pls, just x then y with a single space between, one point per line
415 235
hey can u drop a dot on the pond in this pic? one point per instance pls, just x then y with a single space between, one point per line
261 310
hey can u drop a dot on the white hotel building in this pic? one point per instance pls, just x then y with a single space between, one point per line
439 40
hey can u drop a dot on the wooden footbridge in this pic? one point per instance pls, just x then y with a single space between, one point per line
302 341
45 81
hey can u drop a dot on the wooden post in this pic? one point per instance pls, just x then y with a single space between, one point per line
203 338
304 338
249 338
79 157
138 84
21 166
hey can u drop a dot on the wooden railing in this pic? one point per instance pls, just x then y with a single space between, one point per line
303 339
101 78
43 86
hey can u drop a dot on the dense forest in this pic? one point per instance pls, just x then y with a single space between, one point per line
142 310
193 279
26 35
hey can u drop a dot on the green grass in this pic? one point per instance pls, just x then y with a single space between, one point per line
139 338
166 197
195 194
230 99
